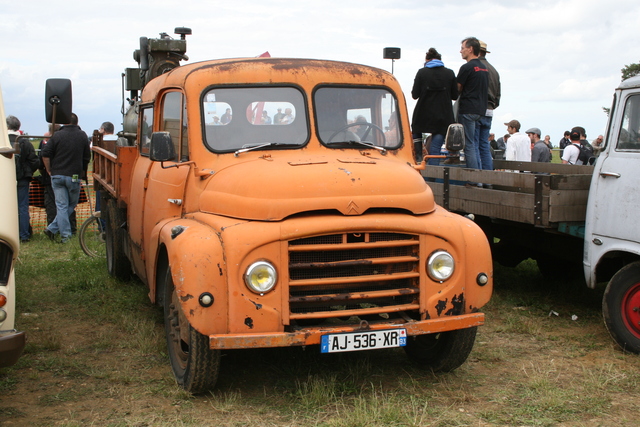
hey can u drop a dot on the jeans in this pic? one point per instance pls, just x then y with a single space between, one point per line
23 209
483 148
469 123
434 149
67 193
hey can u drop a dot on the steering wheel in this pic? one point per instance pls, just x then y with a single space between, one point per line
369 126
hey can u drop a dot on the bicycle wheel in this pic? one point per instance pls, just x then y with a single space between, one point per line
91 237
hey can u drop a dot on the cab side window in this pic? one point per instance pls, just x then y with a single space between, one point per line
174 121
629 137
146 128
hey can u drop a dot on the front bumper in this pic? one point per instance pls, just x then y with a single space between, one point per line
11 345
312 336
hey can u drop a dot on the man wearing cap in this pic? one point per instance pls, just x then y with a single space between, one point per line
484 125
473 85
539 150
518 144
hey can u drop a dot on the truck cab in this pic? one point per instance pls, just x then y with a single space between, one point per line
272 202
612 237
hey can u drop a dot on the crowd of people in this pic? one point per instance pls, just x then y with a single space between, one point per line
476 92
60 166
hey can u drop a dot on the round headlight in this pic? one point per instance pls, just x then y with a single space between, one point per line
261 277
440 266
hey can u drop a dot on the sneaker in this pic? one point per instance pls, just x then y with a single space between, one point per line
49 234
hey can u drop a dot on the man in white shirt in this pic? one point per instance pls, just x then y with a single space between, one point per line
518 145
571 151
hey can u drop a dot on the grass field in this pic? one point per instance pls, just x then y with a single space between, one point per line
96 356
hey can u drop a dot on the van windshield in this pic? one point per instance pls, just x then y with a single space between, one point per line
240 118
357 114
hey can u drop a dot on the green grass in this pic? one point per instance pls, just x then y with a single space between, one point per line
96 355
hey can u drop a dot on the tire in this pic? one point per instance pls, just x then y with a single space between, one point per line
195 366
92 237
118 265
442 352
621 308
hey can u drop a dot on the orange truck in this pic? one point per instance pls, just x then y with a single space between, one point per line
276 202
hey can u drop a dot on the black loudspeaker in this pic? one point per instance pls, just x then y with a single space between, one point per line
391 53
58 93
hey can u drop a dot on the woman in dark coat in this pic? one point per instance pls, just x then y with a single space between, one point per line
434 87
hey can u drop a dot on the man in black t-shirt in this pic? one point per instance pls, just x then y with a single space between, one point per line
473 85
66 157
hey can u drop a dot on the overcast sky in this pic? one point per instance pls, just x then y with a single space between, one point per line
559 61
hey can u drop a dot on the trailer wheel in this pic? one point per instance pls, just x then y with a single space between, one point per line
442 352
118 265
621 307
195 366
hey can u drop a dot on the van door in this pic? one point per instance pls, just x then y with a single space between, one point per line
614 200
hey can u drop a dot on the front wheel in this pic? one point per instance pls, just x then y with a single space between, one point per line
195 366
621 307
442 352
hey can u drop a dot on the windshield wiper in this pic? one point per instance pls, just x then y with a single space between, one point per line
366 144
246 148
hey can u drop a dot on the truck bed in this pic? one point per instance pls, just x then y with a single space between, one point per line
545 196
112 165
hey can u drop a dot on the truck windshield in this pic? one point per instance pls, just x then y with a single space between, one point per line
259 117
357 114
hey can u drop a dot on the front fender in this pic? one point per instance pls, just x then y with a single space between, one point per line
595 254
196 258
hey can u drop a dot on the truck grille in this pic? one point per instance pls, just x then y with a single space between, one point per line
353 276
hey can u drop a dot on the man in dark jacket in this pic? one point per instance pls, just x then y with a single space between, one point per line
66 157
434 87
26 163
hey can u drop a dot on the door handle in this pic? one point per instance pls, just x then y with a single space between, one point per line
613 174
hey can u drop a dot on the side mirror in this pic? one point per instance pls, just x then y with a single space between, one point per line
58 100
161 147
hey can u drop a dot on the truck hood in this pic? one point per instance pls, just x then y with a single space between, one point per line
272 188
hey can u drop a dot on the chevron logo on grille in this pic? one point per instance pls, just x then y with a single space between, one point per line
352 208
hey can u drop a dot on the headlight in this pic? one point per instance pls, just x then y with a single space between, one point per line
440 266
261 277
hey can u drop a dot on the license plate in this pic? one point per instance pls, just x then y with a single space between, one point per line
370 340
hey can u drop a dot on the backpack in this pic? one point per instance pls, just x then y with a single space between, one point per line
23 169
454 140
586 153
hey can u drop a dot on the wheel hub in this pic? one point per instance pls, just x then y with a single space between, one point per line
631 309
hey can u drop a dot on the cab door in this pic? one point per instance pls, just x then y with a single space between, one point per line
614 200
164 186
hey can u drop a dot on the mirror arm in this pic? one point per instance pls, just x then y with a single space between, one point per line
199 173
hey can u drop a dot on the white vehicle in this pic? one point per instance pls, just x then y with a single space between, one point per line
11 341
612 235
567 217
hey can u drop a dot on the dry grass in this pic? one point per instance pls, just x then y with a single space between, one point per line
96 356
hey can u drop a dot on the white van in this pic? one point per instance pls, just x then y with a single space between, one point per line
11 341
